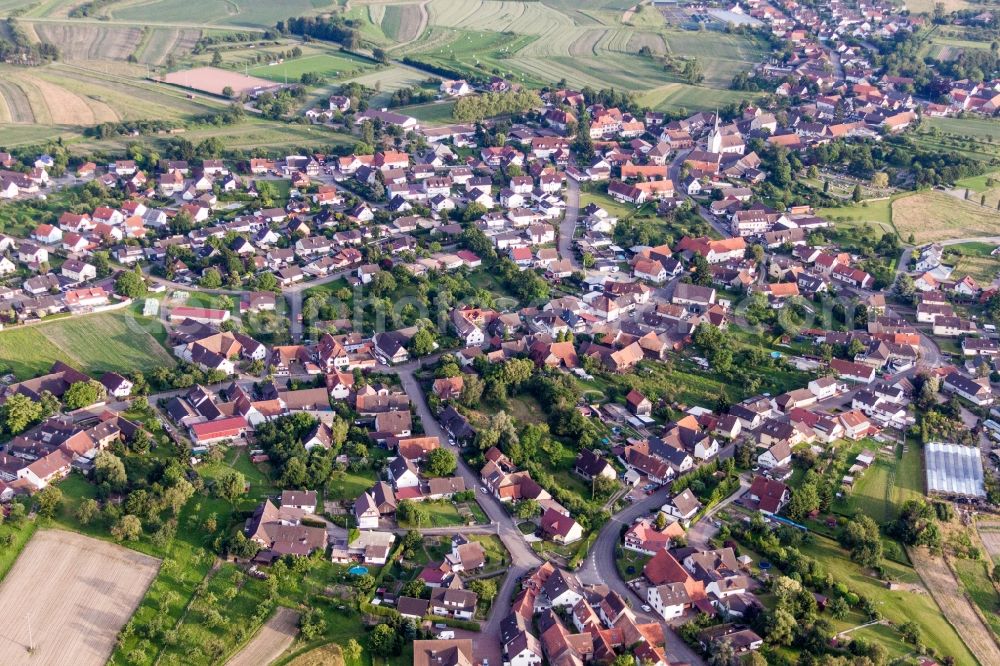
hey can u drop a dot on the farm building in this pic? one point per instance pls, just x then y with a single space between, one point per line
954 470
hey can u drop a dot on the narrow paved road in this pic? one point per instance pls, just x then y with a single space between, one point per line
523 558
599 568
567 228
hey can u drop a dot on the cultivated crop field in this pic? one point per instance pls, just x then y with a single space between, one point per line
933 216
404 23
390 80
956 607
90 42
77 592
158 43
92 343
592 44
85 94
244 13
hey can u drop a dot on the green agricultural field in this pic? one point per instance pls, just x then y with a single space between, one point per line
877 213
897 606
245 13
435 113
331 66
687 96
980 589
976 138
388 81
93 343
974 259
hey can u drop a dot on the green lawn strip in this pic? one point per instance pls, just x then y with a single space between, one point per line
879 211
9 553
27 353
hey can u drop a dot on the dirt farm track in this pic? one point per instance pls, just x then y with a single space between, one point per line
76 592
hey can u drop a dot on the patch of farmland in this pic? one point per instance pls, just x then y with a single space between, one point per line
389 81
39 105
331 66
249 13
90 42
4 110
43 8
586 44
166 41
523 18
989 534
376 13
8 6
618 70
932 216
616 41
94 344
651 40
77 592
433 38
956 607
721 56
62 106
18 106
128 98
673 96
274 637
404 23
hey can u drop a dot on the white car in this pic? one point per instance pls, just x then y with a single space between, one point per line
482 489
646 608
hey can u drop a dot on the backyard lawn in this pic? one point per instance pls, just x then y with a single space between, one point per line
886 485
347 485
444 513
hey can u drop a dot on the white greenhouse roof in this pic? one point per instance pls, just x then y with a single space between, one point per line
954 470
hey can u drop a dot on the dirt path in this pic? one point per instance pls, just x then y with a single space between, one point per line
936 575
272 639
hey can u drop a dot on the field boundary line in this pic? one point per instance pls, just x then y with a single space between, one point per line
921 563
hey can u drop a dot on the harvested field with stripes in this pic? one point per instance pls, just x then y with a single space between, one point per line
90 42
161 42
404 23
